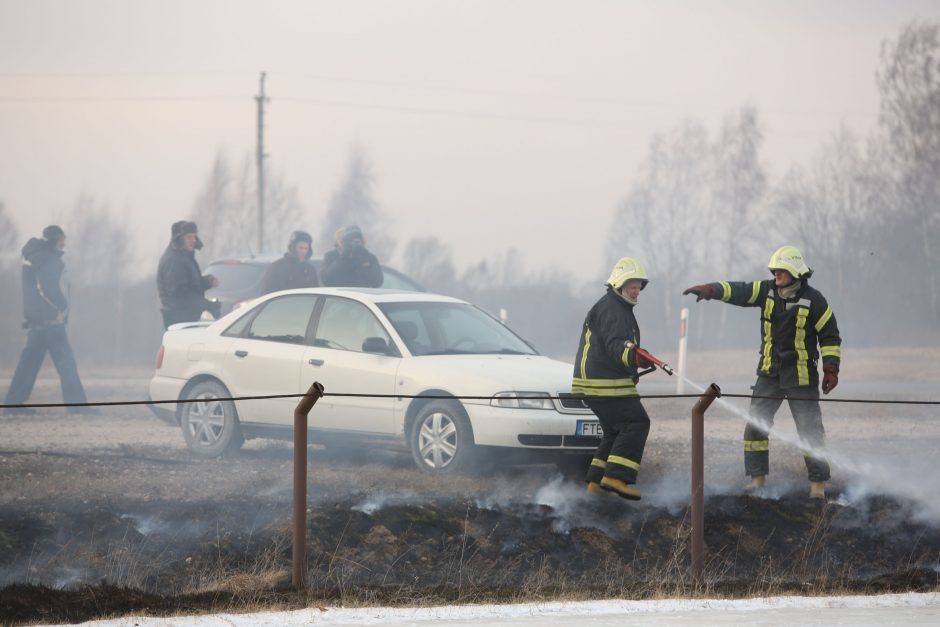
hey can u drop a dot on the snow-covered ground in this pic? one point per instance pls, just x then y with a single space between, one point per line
907 609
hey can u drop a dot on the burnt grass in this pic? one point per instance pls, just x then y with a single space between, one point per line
82 560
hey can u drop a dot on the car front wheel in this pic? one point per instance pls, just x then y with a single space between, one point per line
210 426
441 439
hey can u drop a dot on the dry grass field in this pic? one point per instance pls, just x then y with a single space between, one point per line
106 514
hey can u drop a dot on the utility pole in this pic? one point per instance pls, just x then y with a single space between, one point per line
261 99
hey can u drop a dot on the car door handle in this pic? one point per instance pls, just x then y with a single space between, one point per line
315 362
241 353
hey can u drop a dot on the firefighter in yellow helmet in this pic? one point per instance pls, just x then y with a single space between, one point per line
794 319
605 375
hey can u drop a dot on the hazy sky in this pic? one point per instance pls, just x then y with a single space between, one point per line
489 124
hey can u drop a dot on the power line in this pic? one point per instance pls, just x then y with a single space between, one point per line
93 99
450 397
384 83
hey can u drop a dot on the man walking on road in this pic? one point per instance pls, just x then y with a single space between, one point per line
794 318
46 309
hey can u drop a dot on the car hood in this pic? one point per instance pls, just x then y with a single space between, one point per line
484 375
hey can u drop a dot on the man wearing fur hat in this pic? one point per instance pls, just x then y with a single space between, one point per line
180 283
350 264
292 271
46 301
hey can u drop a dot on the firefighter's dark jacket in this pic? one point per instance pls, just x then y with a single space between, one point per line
45 284
289 273
790 329
181 286
604 365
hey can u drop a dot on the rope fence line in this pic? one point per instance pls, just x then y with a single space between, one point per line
449 397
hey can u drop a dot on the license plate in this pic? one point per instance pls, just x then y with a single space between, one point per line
591 428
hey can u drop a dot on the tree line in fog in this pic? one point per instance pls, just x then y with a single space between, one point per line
701 207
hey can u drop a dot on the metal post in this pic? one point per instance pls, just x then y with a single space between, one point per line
698 480
299 556
680 366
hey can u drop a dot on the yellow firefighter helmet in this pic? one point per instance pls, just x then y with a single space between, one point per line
790 259
624 270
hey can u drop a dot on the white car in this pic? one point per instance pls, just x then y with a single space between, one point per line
392 344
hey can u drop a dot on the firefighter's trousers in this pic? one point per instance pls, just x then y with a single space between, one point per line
804 405
626 426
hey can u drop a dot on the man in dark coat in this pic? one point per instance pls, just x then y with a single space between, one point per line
292 270
180 283
350 264
46 309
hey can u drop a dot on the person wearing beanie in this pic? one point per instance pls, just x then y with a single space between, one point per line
180 283
350 264
46 302
292 271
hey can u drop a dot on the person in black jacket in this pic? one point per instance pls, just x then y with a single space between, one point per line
350 264
605 375
292 270
795 317
46 309
181 286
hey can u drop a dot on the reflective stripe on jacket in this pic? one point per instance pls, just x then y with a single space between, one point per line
790 329
603 365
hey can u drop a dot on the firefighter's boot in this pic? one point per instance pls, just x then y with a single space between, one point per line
595 489
817 489
620 488
757 483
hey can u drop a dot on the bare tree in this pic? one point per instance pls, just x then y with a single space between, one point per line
830 210
283 213
9 238
909 83
429 261
227 207
662 218
353 203
99 245
738 182
10 312
214 210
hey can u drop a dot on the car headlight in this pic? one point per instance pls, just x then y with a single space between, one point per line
522 400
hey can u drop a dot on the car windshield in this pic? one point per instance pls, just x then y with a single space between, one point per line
236 276
452 329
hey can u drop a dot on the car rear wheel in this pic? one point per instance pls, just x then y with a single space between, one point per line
441 439
210 426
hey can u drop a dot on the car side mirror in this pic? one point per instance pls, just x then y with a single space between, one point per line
376 345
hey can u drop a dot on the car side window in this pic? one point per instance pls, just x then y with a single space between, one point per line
283 319
346 324
411 327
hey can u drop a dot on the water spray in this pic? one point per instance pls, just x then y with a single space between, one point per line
875 474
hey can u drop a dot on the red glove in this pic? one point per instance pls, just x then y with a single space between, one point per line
830 378
642 361
706 291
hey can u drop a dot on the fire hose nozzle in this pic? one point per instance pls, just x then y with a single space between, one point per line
656 361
